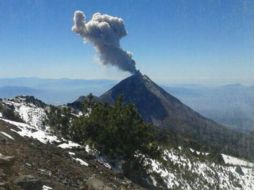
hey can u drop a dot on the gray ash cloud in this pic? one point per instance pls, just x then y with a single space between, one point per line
105 32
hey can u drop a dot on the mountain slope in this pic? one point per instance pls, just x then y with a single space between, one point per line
30 151
51 166
156 106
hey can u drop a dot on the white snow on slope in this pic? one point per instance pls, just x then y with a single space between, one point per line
82 162
72 153
26 130
187 172
198 152
69 145
236 161
44 187
34 128
33 117
102 160
7 135
30 113
43 136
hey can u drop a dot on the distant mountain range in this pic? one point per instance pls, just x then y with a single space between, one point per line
52 90
231 105
12 91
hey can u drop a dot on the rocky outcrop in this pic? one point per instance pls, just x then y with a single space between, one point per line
6 164
94 183
28 182
6 161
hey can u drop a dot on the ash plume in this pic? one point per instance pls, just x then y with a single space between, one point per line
104 32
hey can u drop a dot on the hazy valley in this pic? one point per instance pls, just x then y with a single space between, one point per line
231 105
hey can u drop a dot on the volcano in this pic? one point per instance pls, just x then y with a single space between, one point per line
163 110
155 105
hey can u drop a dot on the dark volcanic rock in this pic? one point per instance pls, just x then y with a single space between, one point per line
6 160
139 90
3 139
239 170
94 183
28 182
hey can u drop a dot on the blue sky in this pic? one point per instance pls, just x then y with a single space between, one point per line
172 41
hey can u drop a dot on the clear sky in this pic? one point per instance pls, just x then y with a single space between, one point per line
172 41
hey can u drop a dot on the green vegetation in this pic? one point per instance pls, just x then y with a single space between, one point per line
33 100
116 130
60 120
9 113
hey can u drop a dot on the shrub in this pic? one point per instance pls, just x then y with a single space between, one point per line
116 130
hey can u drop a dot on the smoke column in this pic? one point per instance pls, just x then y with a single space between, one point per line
104 32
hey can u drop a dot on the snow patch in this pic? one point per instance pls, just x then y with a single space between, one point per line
182 171
72 153
236 161
104 162
7 135
26 130
199 153
69 145
44 187
153 181
28 112
82 162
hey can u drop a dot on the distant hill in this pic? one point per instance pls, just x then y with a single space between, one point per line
230 105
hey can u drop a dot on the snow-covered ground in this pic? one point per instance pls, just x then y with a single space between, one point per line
33 116
187 172
82 162
198 152
26 130
69 145
28 112
46 187
236 161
